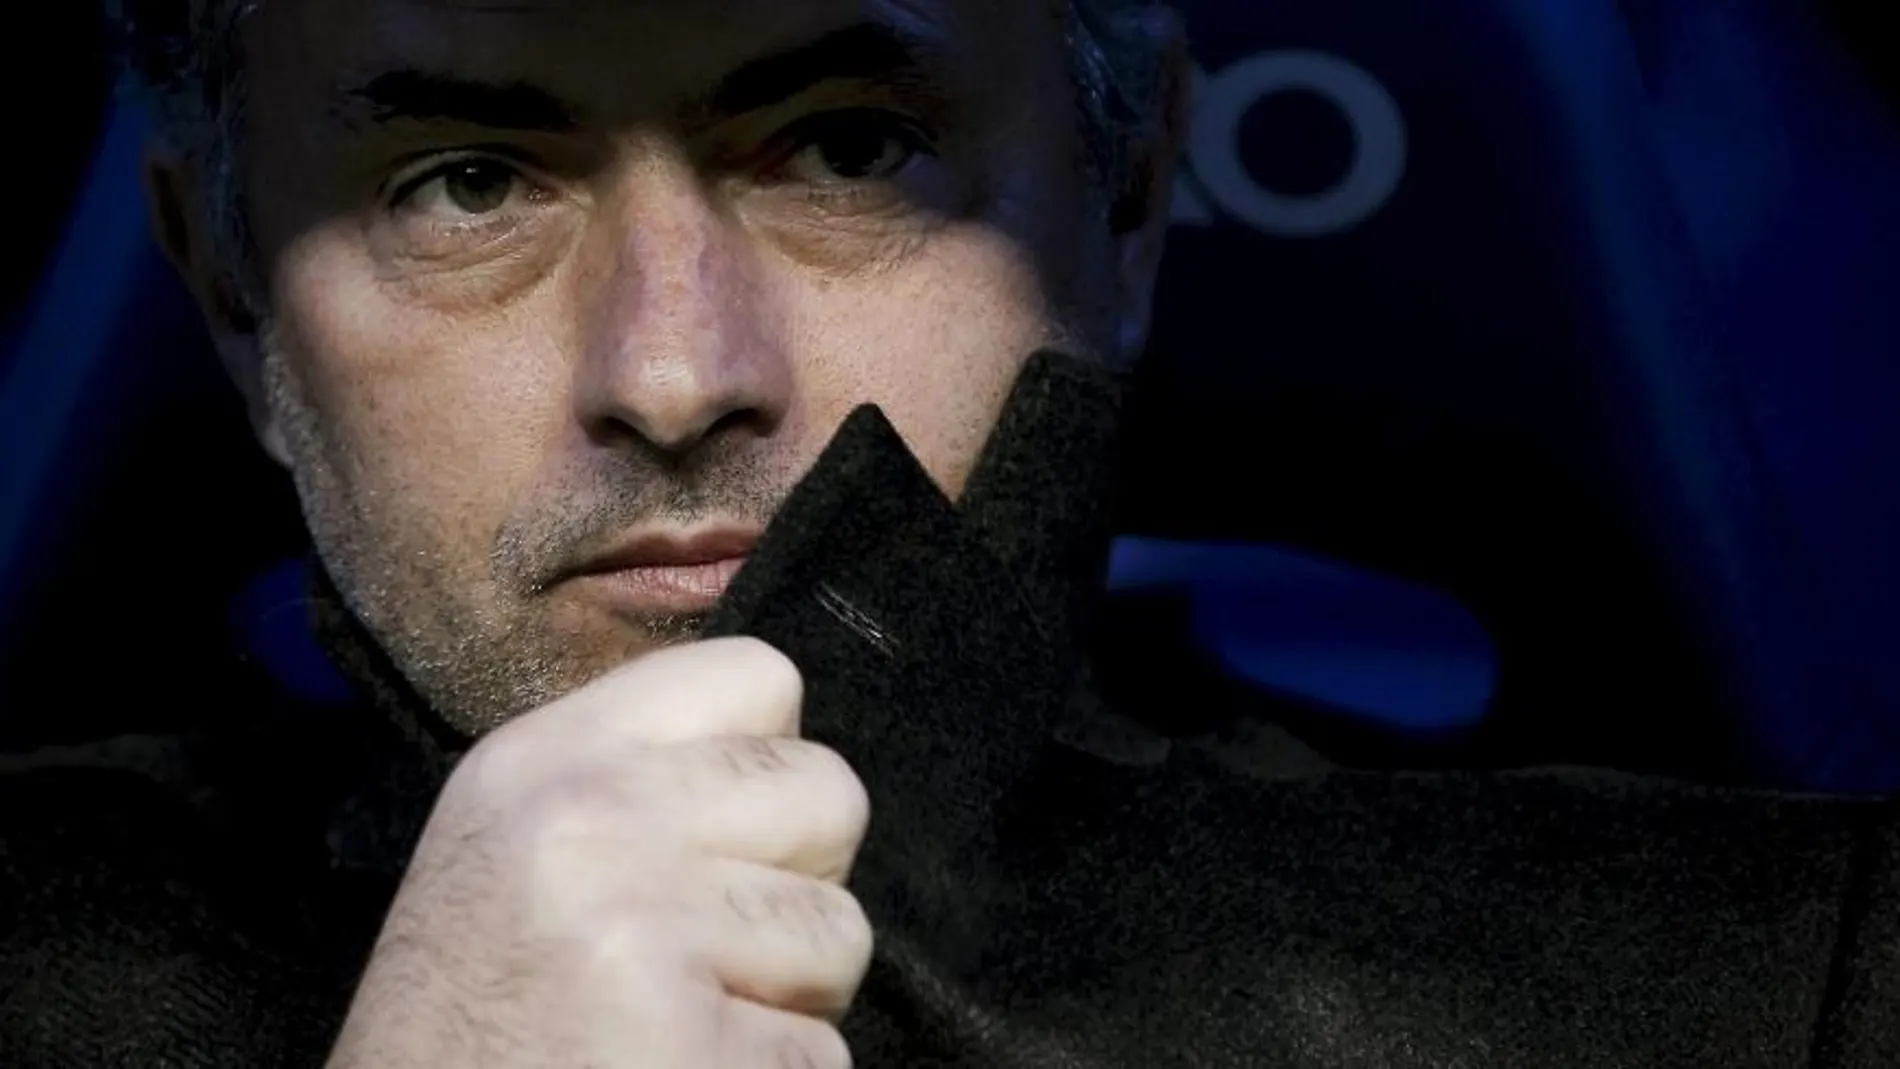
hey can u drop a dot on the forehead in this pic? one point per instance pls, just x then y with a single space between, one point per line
623 54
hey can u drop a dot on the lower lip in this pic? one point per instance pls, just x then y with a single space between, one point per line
678 588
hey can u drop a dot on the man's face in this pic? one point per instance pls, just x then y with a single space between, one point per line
565 296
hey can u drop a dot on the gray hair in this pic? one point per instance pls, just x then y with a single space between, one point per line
183 56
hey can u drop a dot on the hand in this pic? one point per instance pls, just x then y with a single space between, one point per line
648 872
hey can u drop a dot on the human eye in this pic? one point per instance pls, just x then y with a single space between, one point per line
845 188
464 201
853 162
852 145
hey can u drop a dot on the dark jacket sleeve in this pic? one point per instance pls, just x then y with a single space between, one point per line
132 936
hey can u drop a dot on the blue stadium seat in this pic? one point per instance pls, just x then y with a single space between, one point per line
1577 310
1784 165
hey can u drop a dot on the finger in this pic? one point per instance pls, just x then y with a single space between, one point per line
786 803
782 940
727 686
602 827
755 1035
724 686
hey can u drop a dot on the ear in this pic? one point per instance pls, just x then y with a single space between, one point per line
185 237
1140 214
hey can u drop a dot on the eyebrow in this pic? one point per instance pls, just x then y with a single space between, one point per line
870 52
428 96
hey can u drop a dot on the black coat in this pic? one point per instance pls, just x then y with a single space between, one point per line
1053 884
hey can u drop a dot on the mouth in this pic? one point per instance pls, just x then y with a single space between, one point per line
667 575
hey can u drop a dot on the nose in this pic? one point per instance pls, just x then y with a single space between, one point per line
683 342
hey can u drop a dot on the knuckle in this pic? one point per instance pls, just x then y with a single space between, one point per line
628 944
825 914
820 778
714 768
773 689
497 764
847 926
580 807
840 792
770 671
818 1046
748 756
567 828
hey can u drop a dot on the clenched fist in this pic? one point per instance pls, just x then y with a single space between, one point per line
648 872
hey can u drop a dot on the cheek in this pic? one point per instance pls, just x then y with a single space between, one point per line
936 343
438 416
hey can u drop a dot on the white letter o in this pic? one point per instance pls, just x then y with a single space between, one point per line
1379 139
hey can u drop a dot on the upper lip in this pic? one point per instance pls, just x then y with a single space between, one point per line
672 551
